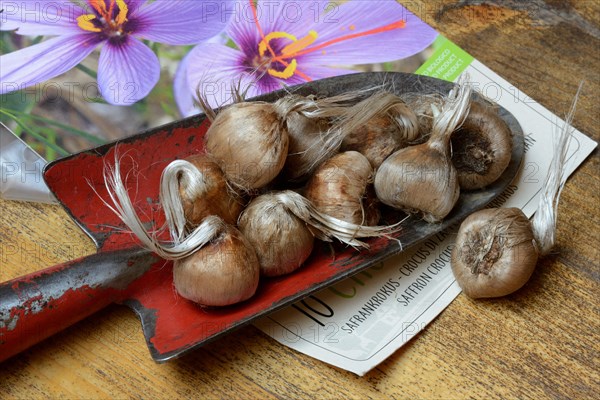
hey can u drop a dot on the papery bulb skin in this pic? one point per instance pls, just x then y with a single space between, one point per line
495 253
281 240
419 178
383 134
215 198
481 147
306 143
339 188
224 272
249 141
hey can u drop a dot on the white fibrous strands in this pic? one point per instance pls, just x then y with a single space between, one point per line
123 207
544 220
424 106
324 226
191 190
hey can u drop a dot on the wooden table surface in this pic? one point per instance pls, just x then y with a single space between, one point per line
541 342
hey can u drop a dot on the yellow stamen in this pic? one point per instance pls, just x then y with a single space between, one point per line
85 23
122 16
300 44
104 17
288 72
290 49
262 46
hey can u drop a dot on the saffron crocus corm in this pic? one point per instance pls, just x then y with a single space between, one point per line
287 42
127 68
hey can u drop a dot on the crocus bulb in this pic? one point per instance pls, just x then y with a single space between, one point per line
249 141
340 188
223 272
496 250
282 240
481 147
422 178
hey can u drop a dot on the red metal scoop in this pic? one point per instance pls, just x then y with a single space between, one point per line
38 305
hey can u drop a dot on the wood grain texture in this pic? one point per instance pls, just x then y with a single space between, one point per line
541 342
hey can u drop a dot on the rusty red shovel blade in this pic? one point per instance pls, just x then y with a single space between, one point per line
38 305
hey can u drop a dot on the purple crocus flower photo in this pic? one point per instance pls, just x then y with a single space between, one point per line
287 42
127 68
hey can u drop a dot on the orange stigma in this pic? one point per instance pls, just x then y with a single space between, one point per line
389 27
287 57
